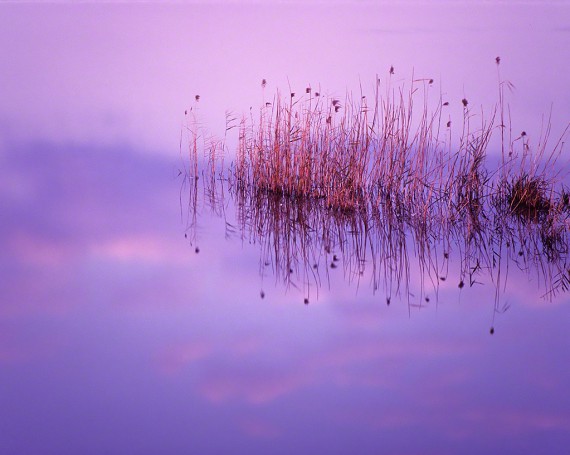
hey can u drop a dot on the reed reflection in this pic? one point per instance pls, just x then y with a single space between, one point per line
387 194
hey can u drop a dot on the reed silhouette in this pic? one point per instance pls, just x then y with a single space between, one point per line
370 186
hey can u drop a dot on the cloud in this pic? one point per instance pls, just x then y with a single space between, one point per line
259 428
175 357
512 422
70 208
258 385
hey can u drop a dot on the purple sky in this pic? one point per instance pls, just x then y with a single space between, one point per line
119 73
115 337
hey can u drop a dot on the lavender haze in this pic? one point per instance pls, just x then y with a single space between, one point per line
117 337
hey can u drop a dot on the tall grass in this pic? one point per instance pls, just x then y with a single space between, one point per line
378 178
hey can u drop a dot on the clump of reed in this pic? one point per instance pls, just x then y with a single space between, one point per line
527 197
320 147
382 176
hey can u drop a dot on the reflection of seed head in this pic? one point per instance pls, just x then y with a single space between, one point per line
262 294
446 103
197 97
317 94
492 330
333 265
442 278
387 300
197 250
308 90
335 258
306 301
449 124
391 70
427 299
446 255
461 284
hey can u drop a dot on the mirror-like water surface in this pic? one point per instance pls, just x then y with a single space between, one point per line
119 334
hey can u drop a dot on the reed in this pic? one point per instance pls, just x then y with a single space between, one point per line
379 178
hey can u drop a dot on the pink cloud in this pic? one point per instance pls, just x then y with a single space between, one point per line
175 357
139 248
258 428
254 386
245 346
37 250
513 422
370 349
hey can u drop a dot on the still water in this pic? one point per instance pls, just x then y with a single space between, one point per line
129 327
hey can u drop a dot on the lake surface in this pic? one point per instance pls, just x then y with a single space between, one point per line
126 327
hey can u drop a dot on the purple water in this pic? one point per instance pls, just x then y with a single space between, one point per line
117 337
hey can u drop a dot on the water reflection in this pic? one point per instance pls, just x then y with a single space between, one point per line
301 241
117 338
388 198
